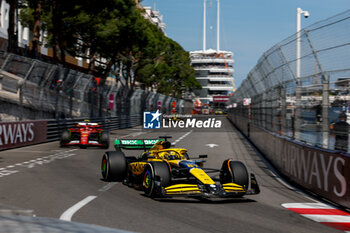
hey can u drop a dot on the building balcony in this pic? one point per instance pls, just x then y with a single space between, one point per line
219 87
217 78
215 69
212 60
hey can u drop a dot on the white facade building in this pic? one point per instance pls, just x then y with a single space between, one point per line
214 71
23 32
214 68
154 17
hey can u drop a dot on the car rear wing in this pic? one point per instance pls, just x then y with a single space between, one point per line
135 144
89 124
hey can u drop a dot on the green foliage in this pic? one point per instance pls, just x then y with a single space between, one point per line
116 31
26 17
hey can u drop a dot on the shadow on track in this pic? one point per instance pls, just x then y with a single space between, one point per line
214 201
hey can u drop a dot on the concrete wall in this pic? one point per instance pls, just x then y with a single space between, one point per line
324 172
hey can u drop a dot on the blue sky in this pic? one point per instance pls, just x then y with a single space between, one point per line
248 27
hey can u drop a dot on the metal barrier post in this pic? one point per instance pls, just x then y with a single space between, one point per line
325 112
20 89
325 96
6 61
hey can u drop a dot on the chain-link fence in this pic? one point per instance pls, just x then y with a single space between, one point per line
309 107
32 89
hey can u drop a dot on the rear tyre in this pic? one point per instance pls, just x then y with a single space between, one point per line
113 166
104 139
235 172
156 175
65 138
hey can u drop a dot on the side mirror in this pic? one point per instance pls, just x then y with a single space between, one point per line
203 156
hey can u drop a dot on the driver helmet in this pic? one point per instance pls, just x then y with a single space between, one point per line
172 155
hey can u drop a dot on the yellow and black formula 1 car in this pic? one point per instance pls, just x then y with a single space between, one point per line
163 171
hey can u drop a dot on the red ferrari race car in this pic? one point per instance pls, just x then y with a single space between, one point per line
85 134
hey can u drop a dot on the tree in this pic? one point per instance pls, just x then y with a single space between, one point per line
165 65
37 28
114 36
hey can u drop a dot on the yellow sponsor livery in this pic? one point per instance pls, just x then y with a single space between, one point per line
201 176
164 171
137 168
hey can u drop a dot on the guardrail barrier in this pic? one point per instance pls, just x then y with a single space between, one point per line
23 133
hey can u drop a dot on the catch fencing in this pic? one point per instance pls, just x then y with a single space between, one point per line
32 89
302 107
293 117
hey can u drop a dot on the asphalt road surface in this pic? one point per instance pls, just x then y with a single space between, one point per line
65 183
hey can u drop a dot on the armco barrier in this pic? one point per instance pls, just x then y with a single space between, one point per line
324 172
23 133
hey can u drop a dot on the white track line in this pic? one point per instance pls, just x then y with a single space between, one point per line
68 214
38 161
180 138
107 187
274 173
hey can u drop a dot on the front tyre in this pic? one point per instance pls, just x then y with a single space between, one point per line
113 166
65 138
104 139
156 176
235 172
